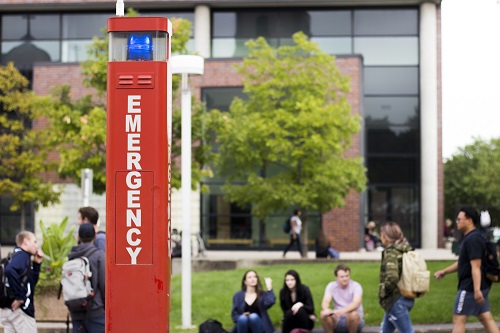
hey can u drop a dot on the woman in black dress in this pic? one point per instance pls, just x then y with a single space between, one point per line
297 304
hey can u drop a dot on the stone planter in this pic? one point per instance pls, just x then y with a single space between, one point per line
49 308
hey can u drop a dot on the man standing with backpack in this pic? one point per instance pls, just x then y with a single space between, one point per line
473 286
90 320
90 215
22 275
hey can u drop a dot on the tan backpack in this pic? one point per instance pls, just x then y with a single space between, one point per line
415 278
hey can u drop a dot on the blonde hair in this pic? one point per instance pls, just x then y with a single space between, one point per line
392 233
21 236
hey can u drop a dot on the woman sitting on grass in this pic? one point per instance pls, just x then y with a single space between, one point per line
297 304
250 304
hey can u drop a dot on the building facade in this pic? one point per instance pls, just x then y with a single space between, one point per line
389 49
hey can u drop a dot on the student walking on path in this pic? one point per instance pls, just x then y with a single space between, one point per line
397 307
296 228
473 287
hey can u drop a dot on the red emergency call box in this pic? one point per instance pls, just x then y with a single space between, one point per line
138 175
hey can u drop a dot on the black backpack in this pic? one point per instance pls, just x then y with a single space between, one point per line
6 295
491 265
287 225
211 326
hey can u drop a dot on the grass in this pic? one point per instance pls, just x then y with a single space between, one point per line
212 293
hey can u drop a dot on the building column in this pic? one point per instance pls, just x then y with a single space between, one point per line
429 125
202 30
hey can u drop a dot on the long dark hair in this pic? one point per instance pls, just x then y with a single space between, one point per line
258 289
298 284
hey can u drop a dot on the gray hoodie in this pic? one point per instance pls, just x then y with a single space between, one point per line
97 266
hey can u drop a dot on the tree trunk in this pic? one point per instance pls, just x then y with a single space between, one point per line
262 232
304 233
23 217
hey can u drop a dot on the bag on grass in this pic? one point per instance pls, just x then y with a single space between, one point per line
76 286
211 326
415 278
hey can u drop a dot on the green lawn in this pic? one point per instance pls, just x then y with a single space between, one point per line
212 293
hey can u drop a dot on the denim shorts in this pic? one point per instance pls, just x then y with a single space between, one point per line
465 304
341 326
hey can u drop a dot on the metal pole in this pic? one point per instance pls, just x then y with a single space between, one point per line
186 201
86 185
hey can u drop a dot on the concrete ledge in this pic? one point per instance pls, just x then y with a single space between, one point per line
48 327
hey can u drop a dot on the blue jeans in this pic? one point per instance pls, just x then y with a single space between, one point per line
398 317
249 324
91 325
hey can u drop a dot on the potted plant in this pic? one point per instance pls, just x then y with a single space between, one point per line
57 243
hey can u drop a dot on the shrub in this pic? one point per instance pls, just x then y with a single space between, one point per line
56 244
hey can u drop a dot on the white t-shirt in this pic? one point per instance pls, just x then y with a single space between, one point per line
342 297
298 224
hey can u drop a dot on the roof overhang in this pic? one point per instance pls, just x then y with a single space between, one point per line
51 5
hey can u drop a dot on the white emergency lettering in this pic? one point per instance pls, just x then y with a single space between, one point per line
133 179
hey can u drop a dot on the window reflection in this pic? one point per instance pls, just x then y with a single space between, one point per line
387 51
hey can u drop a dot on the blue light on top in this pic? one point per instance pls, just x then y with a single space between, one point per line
140 47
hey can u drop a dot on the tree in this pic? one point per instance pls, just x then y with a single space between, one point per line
471 177
285 146
83 123
23 154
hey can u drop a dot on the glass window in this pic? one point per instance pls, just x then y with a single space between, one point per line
291 22
391 81
221 98
24 53
334 45
75 50
228 48
392 170
391 139
171 15
393 51
391 22
28 27
45 26
396 203
14 26
392 110
83 26
224 24
330 23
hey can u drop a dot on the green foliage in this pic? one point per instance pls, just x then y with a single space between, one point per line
212 293
285 146
78 130
57 244
23 152
471 178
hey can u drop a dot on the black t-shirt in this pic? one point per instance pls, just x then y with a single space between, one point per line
473 247
252 308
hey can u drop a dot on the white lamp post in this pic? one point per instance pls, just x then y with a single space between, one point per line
186 64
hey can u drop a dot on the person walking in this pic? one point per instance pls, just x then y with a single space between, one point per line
297 304
22 276
295 229
397 307
473 286
346 295
250 305
91 321
90 215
